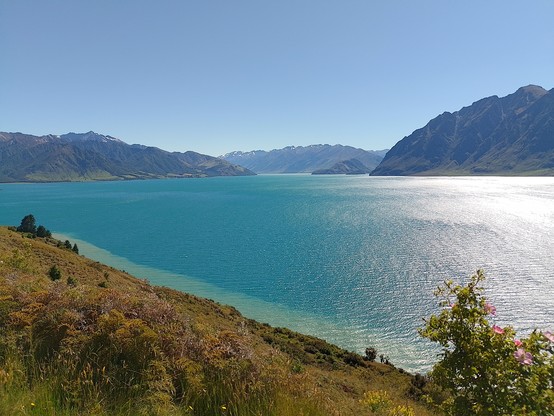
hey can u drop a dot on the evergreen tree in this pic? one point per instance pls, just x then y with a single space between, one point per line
28 225
54 273
43 232
75 248
67 244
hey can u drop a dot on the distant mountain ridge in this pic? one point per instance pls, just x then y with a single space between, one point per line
346 167
93 156
512 135
303 159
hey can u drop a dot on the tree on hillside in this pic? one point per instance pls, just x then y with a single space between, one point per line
75 248
54 273
43 232
28 225
370 353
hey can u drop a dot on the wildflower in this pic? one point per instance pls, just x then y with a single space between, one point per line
376 400
549 336
518 343
223 407
490 309
523 357
32 404
497 329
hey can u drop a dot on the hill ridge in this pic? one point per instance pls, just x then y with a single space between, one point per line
511 135
93 156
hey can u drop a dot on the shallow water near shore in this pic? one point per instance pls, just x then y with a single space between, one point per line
351 259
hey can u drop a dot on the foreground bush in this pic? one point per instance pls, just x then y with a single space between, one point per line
486 369
91 346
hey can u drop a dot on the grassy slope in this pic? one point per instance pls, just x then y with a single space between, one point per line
99 341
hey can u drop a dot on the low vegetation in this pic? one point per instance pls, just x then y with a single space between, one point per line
81 338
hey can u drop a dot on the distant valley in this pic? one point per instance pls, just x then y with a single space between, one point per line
512 135
306 159
93 156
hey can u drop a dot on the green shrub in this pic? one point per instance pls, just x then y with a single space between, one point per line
370 354
54 273
43 232
484 367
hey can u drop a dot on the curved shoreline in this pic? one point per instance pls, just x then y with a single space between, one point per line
262 311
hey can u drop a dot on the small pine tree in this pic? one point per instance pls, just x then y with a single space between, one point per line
28 225
54 273
75 248
67 244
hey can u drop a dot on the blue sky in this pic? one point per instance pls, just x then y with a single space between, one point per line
216 76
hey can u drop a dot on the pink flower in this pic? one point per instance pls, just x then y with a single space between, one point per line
523 357
518 343
490 309
549 336
497 329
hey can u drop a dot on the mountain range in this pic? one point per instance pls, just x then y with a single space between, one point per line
303 159
512 135
93 156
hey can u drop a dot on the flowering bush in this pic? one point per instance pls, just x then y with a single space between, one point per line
376 400
484 367
379 403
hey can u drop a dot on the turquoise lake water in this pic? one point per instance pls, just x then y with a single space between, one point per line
352 259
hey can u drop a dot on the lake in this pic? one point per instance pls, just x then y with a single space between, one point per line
351 259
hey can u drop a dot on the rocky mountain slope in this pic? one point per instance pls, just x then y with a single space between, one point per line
298 159
512 135
92 156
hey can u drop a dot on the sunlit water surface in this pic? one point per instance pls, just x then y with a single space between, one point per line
352 259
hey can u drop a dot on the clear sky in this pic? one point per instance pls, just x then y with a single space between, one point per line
220 75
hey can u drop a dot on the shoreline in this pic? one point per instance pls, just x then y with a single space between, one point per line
264 312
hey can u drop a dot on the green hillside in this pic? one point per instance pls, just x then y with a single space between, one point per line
81 338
